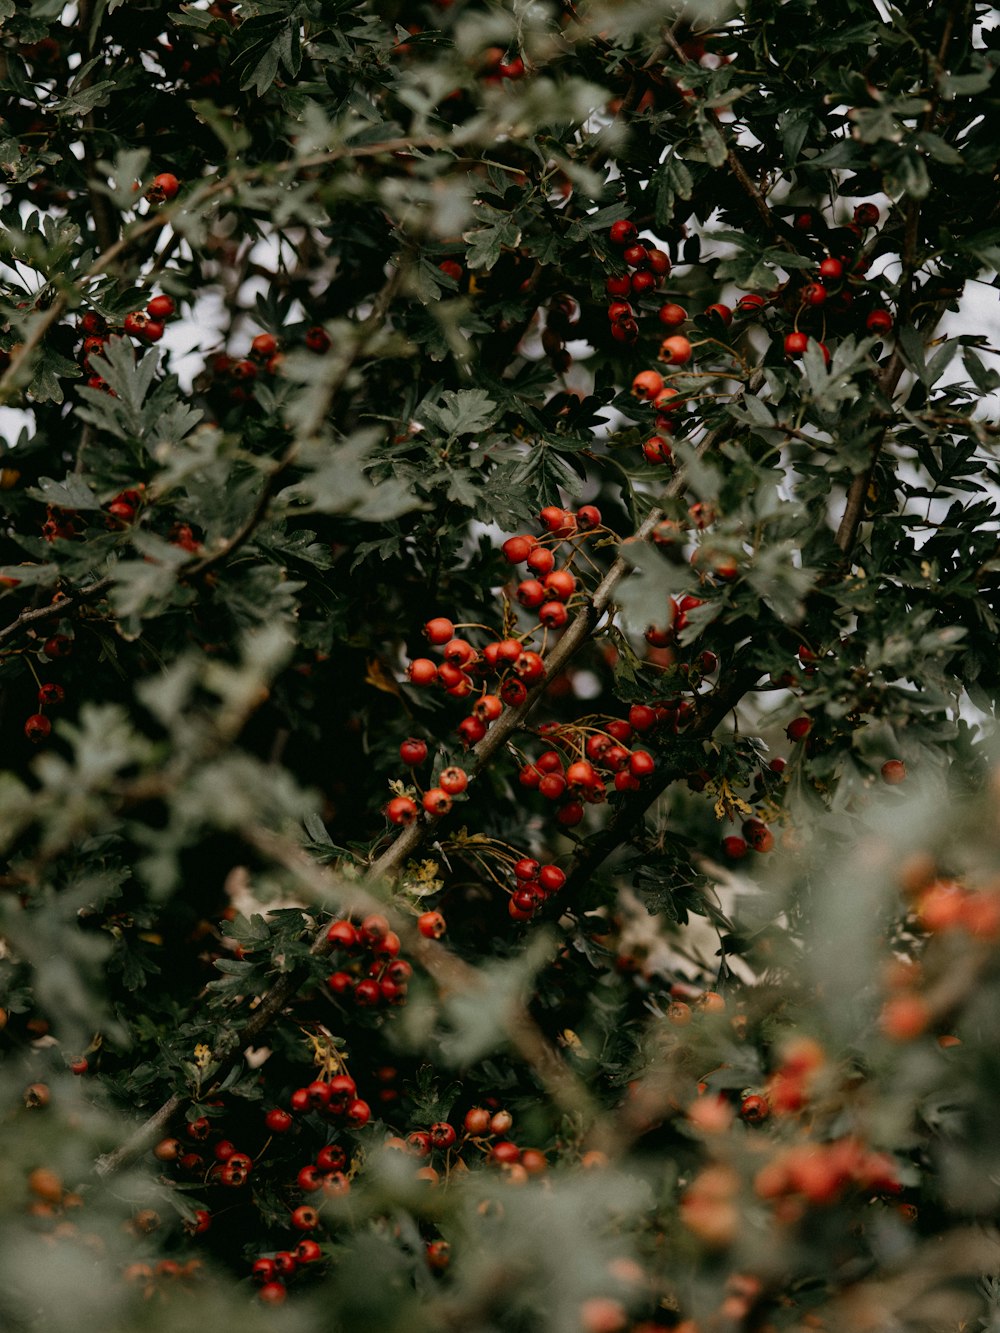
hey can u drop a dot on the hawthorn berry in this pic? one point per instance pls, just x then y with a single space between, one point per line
442 1135
401 810
472 730
161 307
675 351
866 215
517 549
795 344
317 339
623 232
647 385
308 1251
879 321
453 780
164 187
413 751
799 728
722 312
813 293
278 1121
305 1218
431 925
422 671
540 561
893 772
754 1109
37 728
264 346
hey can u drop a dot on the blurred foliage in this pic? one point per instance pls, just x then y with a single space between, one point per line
303 313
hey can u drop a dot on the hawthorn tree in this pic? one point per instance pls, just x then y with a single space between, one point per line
497 660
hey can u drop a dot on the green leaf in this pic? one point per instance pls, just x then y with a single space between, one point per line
70 493
460 412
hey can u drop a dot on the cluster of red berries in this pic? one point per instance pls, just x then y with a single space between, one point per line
372 972
227 1166
486 1135
650 267
550 595
595 761
147 326
237 375
38 727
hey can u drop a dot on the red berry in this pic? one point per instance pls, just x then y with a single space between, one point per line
308 1179
477 1121
672 314
620 286
799 728
136 323
622 232
264 346
488 707
431 925
49 695
517 549
588 517
472 730
553 615
439 630
675 351
758 836
754 1109
300 1100
263 1270
164 188
358 1113
453 780
641 763
551 878
642 282
367 993
305 1218
635 256
272 1293
308 1251
278 1121
161 307
37 728
658 261
795 344
560 584
893 772
331 1158
317 339
443 1135
866 215
735 848
831 269
542 560
813 293
422 671
619 310
284 1263
879 321
513 693
529 666
722 311
413 751
647 385
531 594
401 810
